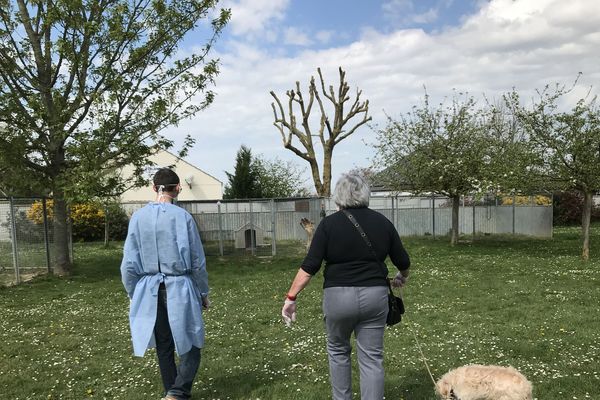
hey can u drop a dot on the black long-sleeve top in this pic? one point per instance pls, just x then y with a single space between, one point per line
348 260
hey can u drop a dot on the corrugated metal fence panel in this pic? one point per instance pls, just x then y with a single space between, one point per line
412 216
4 221
504 219
6 260
414 222
529 220
486 218
533 221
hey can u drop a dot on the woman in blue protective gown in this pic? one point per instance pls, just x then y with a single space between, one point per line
164 273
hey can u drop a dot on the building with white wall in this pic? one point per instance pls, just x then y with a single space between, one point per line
196 184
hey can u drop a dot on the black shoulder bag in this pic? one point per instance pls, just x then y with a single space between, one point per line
395 303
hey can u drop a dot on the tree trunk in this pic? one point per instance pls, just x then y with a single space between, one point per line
61 234
455 208
326 188
314 169
585 224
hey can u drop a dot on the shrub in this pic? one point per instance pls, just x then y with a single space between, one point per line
88 220
35 213
568 209
118 221
538 200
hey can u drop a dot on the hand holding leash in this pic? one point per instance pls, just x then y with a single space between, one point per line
399 280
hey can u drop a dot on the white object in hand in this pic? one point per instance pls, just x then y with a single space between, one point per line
288 312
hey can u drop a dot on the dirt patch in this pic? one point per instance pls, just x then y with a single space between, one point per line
7 277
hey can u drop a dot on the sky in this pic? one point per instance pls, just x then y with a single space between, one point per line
391 50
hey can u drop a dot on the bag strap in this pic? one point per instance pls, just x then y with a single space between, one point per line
367 242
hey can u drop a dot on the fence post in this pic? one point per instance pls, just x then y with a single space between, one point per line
433 215
220 229
397 221
252 241
552 215
273 228
393 212
70 233
46 238
13 229
473 200
513 213
106 226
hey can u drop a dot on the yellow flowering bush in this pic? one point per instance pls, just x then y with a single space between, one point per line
538 200
88 219
35 213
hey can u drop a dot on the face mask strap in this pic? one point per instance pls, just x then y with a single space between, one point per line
161 193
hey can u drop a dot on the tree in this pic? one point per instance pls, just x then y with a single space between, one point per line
566 146
86 86
441 150
294 129
243 182
256 177
277 178
510 161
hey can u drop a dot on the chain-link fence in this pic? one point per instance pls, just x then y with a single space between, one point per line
26 239
266 227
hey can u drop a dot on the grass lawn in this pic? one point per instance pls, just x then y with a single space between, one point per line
528 303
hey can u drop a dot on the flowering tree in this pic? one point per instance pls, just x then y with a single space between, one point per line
565 146
443 150
86 86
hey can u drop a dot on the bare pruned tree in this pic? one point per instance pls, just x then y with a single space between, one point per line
329 135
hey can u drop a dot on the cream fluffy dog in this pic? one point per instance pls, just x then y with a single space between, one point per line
483 382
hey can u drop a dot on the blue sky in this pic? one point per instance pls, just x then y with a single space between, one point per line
391 50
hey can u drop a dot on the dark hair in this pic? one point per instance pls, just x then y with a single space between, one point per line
166 177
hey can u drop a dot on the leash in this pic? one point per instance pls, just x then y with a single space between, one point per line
422 354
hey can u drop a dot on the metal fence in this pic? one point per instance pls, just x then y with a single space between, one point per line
26 239
264 227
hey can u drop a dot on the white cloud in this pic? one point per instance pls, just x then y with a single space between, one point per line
293 36
324 36
506 44
397 6
402 12
254 16
428 16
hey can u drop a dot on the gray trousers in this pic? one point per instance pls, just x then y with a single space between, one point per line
362 310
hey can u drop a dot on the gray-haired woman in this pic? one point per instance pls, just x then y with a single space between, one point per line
355 287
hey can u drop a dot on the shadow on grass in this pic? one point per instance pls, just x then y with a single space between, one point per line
238 386
415 385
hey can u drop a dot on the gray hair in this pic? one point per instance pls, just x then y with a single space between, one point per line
351 190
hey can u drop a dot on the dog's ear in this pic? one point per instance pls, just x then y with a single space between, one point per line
444 389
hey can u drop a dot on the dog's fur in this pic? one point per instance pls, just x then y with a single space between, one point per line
484 382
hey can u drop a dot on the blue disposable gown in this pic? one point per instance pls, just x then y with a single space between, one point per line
163 245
